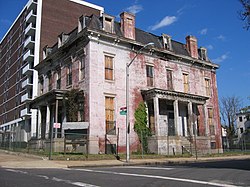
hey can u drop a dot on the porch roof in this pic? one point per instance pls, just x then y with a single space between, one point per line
173 95
48 97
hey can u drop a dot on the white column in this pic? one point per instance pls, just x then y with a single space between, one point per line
156 114
64 120
47 122
176 118
39 123
190 120
205 120
56 116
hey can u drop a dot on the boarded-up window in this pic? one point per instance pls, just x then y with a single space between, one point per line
69 74
185 82
169 79
110 115
210 121
151 118
150 75
207 87
109 68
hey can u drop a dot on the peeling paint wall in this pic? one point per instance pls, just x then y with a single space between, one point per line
96 88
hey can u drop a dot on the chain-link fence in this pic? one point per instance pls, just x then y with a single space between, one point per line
72 141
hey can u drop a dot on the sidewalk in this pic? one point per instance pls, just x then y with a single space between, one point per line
21 160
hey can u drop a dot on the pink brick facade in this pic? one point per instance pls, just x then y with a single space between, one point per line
179 116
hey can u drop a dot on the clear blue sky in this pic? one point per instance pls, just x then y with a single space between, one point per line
215 23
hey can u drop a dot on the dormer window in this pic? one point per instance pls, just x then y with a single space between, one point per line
46 51
203 53
62 38
167 42
108 23
81 23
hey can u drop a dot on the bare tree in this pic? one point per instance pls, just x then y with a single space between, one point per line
229 106
245 13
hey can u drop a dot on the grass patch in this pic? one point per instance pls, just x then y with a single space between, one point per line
134 155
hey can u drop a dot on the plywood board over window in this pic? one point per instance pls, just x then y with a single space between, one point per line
170 79
210 121
109 67
150 75
185 82
207 87
110 115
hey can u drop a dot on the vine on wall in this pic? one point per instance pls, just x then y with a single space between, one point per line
140 126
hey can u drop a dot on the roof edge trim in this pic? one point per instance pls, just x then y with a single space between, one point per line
89 5
14 22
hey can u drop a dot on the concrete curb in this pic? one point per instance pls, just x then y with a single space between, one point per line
27 155
41 162
158 163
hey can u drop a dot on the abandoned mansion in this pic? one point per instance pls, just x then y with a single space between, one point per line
176 81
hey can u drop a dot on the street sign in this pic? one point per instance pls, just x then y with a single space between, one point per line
57 125
123 110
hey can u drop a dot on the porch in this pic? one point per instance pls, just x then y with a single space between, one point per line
177 121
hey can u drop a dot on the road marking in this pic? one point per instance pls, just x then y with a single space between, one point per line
81 184
160 177
43 176
140 167
16 171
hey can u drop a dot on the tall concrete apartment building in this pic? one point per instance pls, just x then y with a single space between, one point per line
37 25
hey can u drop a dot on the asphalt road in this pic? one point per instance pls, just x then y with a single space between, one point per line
223 173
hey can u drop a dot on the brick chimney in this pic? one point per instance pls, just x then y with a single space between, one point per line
192 48
128 25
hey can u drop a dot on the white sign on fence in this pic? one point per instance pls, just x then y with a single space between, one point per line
57 125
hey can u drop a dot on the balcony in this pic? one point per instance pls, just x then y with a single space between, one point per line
32 4
28 56
31 17
30 30
25 113
27 83
25 98
27 70
29 43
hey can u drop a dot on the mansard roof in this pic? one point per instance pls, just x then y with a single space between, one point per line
141 36
95 23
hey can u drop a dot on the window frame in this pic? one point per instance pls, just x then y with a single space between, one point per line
185 82
82 67
50 85
109 67
41 85
58 79
150 75
169 75
208 86
110 115
210 117
69 74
